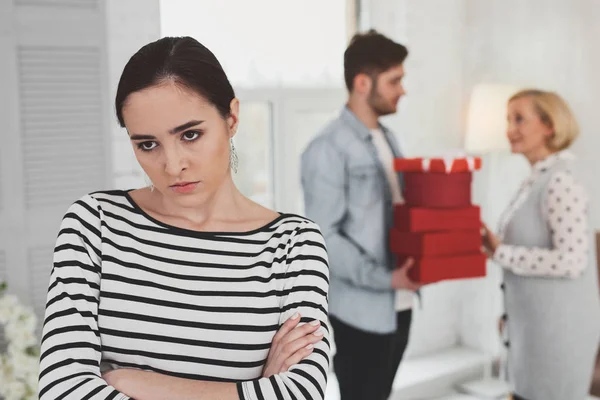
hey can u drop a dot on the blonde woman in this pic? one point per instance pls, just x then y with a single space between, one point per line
544 246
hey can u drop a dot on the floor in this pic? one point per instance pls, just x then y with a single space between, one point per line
332 393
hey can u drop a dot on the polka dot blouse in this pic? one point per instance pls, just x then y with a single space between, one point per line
565 210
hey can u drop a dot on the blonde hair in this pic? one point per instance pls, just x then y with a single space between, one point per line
554 112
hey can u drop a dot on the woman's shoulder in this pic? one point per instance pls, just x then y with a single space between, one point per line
95 202
564 170
563 181
116 195
302 232
86 214
298 223
306 246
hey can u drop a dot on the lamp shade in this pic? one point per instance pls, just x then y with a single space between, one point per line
486 123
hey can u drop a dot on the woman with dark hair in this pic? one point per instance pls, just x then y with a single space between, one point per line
185 289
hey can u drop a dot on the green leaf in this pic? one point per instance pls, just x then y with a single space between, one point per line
33 351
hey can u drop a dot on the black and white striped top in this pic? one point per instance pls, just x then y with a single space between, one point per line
129 291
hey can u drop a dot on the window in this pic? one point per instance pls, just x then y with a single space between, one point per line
285 61
253 145
266 42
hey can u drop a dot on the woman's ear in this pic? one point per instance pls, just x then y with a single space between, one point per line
549 134
233 119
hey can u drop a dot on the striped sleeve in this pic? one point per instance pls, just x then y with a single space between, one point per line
70 349
308 285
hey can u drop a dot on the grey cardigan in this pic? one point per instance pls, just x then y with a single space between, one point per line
347 194
553 323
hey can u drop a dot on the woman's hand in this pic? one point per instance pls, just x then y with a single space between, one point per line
291 344
490 241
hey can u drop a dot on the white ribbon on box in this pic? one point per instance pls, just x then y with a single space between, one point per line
425 164
448 163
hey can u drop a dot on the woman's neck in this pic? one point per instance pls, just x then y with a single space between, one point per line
225 203
538 155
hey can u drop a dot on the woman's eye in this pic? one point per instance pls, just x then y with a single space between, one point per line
190 135
147 146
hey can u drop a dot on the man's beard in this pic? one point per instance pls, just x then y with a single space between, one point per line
378 103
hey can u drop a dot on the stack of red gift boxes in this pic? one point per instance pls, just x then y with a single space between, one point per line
437 225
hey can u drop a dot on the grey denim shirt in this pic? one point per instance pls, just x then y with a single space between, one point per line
347 194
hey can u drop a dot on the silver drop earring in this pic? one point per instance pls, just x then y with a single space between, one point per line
233 157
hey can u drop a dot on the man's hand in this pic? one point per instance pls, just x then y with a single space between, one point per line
291 344
400 278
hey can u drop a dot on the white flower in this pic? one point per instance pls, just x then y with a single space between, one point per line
23 364
18 366
4 376
32 380
9 304
15 390
19 338
26 319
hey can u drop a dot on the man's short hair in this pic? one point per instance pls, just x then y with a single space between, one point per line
371 53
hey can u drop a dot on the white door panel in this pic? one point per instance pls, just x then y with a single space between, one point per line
55 137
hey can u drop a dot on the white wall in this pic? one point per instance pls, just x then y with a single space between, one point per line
551 44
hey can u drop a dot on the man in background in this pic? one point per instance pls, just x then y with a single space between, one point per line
350 189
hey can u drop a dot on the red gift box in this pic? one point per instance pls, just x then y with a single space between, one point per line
434 269
414 219
435 243
423 189
441 165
